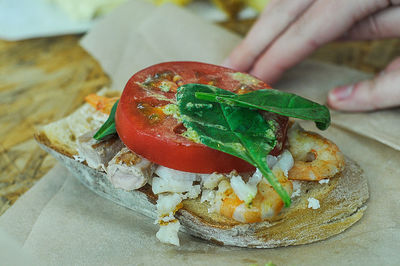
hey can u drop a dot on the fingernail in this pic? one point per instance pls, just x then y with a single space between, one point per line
341 93
227 63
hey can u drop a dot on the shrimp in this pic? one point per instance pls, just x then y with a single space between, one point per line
101 103
315 157
266 205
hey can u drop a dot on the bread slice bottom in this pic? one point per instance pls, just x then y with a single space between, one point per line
342 203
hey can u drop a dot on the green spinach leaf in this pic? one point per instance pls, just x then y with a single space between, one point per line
275 101
108 128
235 130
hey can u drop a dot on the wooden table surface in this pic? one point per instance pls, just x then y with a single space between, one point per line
42 80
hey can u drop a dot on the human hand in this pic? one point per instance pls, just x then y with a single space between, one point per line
381 92
288 31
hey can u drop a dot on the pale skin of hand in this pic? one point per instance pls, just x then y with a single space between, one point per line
290 30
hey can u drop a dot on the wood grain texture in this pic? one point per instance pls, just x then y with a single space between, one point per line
42 80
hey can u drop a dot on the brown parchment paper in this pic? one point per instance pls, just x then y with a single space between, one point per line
66 224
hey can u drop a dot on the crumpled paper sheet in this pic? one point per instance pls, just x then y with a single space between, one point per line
78 227
62 222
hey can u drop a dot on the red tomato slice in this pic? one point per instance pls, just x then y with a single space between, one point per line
145 129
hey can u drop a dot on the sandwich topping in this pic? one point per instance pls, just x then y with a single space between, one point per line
198 131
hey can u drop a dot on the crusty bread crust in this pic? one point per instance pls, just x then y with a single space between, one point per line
342 203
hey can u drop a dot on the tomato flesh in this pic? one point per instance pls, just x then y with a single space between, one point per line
146 129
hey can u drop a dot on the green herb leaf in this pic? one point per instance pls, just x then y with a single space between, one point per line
235 130
275 101
108 128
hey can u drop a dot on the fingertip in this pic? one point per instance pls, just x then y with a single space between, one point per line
339 98
234 64
331 100
269 77
341 93
357 97
394 65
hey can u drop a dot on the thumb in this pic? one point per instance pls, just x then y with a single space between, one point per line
381 92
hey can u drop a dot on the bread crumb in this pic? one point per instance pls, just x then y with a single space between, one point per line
313 203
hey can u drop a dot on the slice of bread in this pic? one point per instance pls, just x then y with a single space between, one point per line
342 200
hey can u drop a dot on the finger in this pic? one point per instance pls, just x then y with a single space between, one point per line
381 92
395 64
324 21
275 18
384 24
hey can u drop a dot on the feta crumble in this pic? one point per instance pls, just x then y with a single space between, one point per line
207 195
170 180
211 181
169 233
245 191
323 181
172 187
285 162
193 192
313 203
166 203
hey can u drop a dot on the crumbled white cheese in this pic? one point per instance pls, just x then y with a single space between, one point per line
324 181
271 160
166 203
285 162
211 181
223 186
207 195
171 174
168 218
313 203
296 189
169 233
172 187
193 192
170 180
161 185
79 158
239 212
169 226
256 177
246 192
215 203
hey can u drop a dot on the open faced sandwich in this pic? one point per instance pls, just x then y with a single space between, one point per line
211 152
